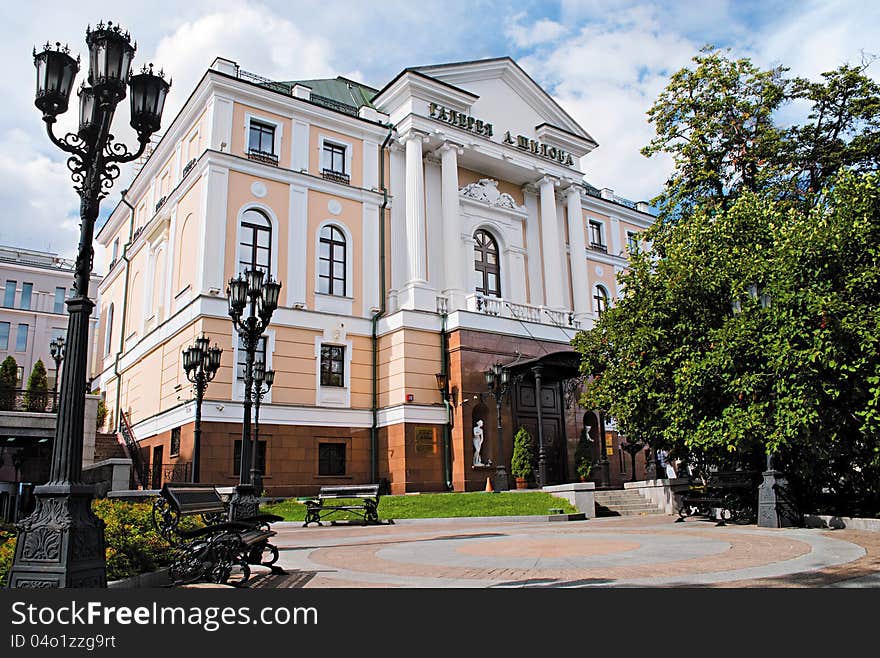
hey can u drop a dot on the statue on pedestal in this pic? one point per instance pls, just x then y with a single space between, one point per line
478 443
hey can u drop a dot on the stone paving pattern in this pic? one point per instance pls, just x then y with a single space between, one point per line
629 551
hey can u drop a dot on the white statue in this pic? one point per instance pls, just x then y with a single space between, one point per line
478 443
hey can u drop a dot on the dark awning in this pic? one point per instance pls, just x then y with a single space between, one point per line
556 366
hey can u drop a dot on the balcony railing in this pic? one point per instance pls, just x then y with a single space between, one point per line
21 400
158 474
188 168
334 104
598 246
337 176
502 308
161 202
262 156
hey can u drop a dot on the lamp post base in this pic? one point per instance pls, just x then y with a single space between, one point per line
775 509
501 481
244 502
61 544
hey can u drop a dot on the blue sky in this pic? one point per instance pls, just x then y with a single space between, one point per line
605 62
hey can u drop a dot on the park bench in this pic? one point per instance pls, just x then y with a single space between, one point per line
220 548
725 496
348 495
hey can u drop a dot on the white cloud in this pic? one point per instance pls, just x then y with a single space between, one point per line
541 31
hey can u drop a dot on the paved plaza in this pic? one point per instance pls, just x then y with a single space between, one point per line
528 552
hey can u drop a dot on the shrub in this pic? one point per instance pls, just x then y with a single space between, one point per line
37 395
521 461
8 383
133 545
101 414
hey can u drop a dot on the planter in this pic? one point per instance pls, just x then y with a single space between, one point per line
522 483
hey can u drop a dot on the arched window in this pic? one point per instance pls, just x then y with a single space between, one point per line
487 271
600 300
255 248
331 262
108 330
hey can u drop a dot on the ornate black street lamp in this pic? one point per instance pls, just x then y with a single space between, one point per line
200 363
263 380
62 543
498 382
56 349
774 510
261 298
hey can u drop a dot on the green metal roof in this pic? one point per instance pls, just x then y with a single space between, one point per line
338 90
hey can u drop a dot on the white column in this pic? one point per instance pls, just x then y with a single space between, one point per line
580 285
212 231
398 221
300 146
371 261
551 247
533 245
452 244
415 211
297 247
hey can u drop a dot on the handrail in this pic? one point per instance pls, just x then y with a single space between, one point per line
137 464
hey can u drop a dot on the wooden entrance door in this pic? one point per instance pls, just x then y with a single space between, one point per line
525 412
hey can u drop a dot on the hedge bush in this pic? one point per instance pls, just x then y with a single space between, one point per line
133 545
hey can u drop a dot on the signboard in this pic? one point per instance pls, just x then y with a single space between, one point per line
539 148
460 120
426 442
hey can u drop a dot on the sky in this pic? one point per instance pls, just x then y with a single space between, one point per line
604 62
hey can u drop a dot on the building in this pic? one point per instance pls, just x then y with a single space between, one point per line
35 287
438 225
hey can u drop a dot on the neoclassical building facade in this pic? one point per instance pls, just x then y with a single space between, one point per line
438 225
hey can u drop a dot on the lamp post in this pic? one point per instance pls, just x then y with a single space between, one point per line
443 386
773 512
62 543
200 363
498 382
263 380
56 349
261 298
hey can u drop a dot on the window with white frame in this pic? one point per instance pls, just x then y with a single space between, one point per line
333 365
600 299
597 240
261 137
487 269
241 362
632 242
108 330
255 247
335 161
332 262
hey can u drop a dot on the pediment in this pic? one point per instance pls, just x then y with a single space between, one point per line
509 98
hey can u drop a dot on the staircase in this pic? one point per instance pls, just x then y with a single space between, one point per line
137 464
624 502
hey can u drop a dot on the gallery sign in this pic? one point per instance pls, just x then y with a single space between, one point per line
460 120
484 128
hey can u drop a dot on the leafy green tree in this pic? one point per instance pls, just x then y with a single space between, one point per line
8 383
800 379
37 396
718 119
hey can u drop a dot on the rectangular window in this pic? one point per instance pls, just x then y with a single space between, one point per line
115 250
334 163
262 138
59 300
4 335
596 241
332 365
21 338
27 290
331 459
261 457
259 355
632 242
175 442
9 294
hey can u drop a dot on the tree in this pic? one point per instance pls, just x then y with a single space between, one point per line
800 379
37 395
8 383
521 462
719 122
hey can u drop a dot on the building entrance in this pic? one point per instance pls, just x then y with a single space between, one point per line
525 413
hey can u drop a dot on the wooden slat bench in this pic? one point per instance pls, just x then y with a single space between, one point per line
732 495
221 547
322 506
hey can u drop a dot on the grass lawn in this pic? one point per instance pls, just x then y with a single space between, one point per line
443 505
